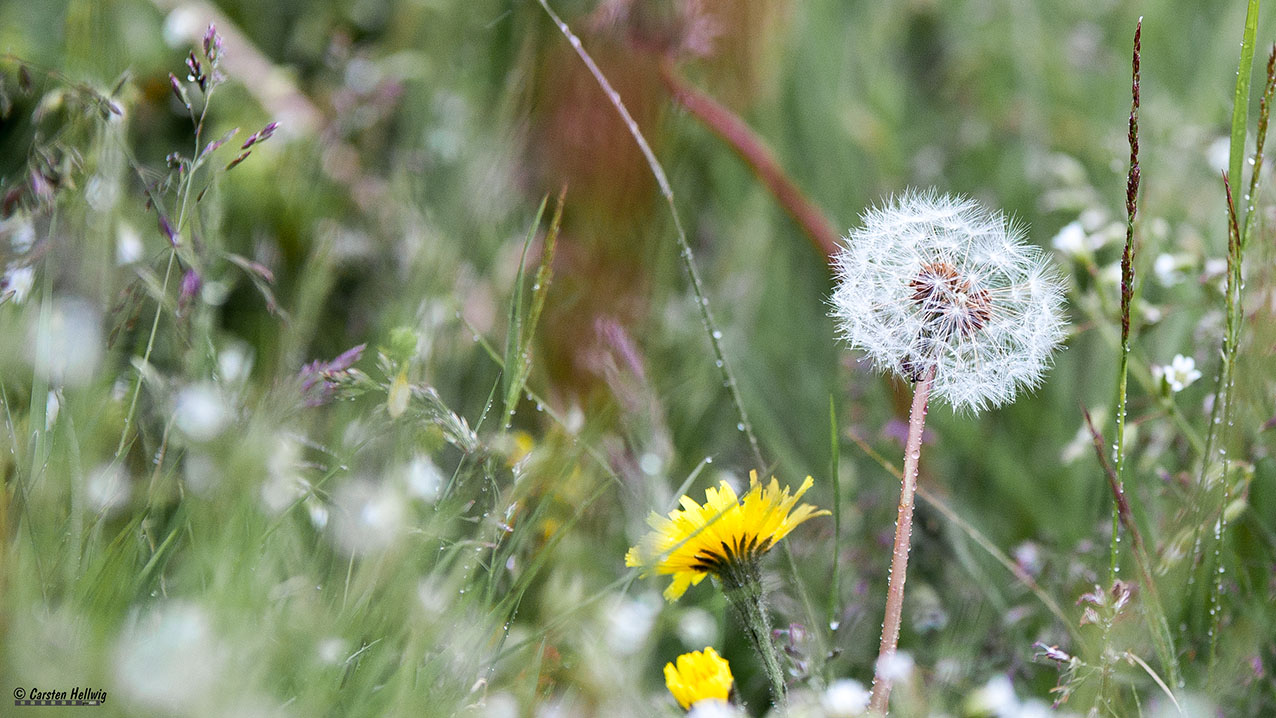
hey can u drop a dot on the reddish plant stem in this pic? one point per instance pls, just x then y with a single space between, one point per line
732 130
903 537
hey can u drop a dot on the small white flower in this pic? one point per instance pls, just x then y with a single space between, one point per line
201 412
940 284
106 489
844 698
367 518
423 479
896 666
18 280
128 244
1180 373
64 345
1167 268
996 698
1071 240
629 624
697 627
713 708
52 405
234 363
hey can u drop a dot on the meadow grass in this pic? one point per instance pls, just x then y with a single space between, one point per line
364 422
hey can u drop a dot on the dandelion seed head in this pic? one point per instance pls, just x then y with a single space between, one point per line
931 282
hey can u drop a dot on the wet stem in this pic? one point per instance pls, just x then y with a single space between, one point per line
899 557
742 586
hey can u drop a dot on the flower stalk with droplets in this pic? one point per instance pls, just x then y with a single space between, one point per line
726 538
947 295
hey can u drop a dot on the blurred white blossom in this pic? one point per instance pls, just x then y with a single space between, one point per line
64 342
845 698
19 280
106 488
201 412
170 659
367 517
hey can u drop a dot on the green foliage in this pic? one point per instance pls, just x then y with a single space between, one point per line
348 428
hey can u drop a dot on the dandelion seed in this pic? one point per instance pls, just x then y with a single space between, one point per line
1179 374
699 676
941 283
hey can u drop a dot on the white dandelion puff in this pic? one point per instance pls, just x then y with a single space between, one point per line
940 283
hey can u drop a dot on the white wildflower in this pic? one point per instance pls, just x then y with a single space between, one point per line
844 698
896 666
367 518
630 622
1180 373
995 698
52 406
201 412
711 708
937 283
107 489
64 344
1168 268
128 244
1071 240
170 659
18 280
423 479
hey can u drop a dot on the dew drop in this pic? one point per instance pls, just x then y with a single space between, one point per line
717 334
739 426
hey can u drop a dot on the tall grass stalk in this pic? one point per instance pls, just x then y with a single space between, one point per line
1161 636
1127 296
688 258
1239 227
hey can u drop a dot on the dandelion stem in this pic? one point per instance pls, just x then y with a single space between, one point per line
903 536
742 586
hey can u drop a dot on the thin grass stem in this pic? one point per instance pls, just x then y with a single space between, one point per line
684 247
1127 296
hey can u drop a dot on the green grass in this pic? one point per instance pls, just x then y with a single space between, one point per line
254 554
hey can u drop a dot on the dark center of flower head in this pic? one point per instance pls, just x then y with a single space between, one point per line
719 560
951 305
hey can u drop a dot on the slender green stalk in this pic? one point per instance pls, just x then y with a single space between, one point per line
1127 297
146 356
684 247
880 700
1161 636
742 586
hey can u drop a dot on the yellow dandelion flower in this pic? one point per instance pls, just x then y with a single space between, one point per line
727 534
699 675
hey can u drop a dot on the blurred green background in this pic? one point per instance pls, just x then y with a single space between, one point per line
417 139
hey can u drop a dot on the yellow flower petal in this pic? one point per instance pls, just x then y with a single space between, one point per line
698 676
696 540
